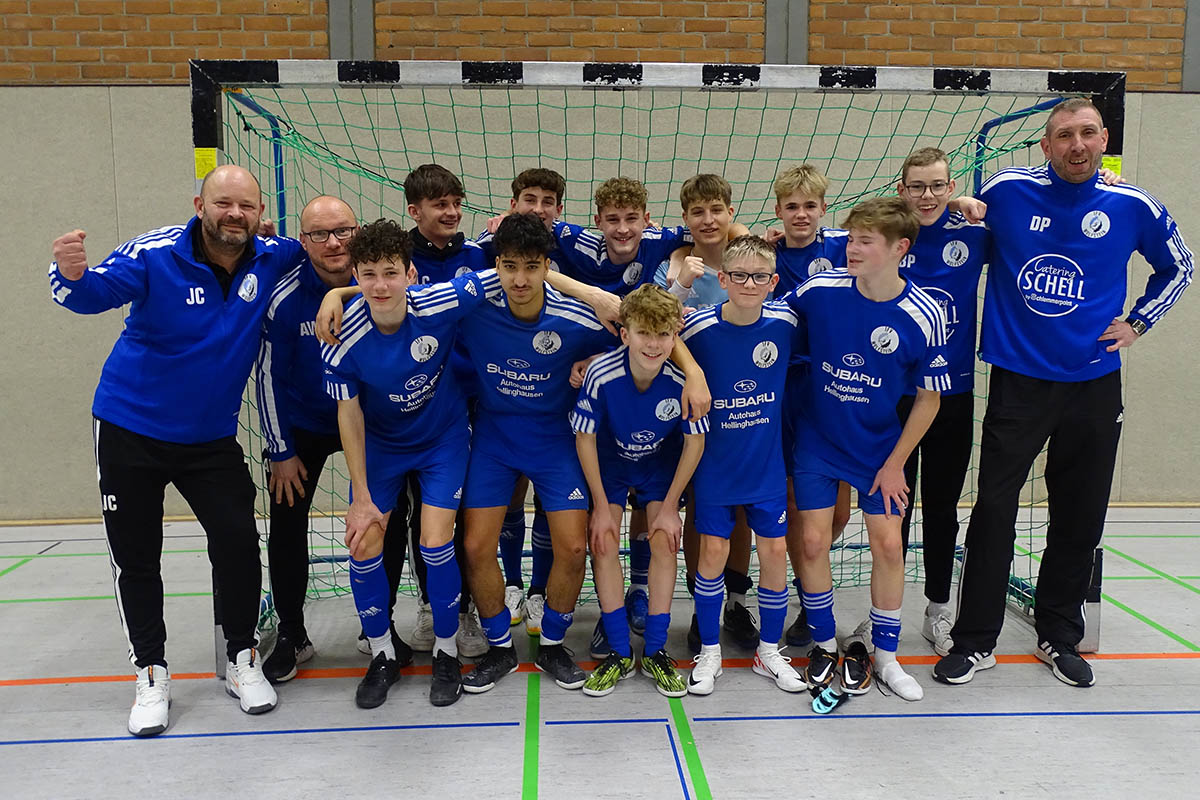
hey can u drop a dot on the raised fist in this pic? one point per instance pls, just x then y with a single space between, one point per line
70 255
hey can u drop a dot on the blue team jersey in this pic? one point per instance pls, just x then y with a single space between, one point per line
438 265
865 356
1058 270
795 265
289 376
631 425
585 257
179 367
946 261
409 398
745 366
524 368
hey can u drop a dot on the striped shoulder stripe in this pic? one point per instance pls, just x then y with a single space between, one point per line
432 299
355 325
776 309
674 373
698 321
957 221
833 233
160 237
928 315
830 278
1184 260
603 370
573 310
471 243
287 284
1156 208
1028 174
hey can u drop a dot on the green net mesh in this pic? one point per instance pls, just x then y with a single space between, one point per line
360 143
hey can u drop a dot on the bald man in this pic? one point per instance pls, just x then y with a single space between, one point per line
166 409
299 425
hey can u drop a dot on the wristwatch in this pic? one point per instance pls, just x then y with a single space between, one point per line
1138 326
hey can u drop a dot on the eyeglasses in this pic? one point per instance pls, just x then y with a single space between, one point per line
937 189
759 278
321 236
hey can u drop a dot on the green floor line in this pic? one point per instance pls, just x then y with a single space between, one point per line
14 566
1160 628
1149 568
1131 578
94 597
533 723
687 743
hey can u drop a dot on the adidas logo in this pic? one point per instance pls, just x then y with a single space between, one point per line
783 518
584 405
470 287
938 362
458 493
369 612
1121 417
575 494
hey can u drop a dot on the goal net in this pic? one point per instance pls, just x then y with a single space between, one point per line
355 130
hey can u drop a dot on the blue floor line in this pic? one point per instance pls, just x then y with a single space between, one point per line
956 714
217 734
629 721
678 766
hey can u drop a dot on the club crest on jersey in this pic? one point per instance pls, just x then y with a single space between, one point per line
546 342
765 354
818 265
518 363
853 360
249 288
458 273
745 386
416 382
642 437
633 274
955 253
885 340
1051 285
1095 224
667 409
423 348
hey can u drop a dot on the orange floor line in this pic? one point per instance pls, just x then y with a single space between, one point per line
729 663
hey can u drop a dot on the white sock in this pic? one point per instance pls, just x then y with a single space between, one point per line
883 658
829 646
448 646
937 609
382 644
639 587
734 597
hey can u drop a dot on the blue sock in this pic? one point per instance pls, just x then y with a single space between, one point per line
885 629
656 633
543 552
512 546
617 629
444 582
369 584
819 610
639 562
710 596
555 624
497 627
772 611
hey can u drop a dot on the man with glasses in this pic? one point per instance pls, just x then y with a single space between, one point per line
299 424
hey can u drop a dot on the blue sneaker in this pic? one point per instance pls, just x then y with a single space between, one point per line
599 647
637 608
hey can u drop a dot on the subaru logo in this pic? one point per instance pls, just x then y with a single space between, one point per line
642 437
746 386
853 360
518 363
416 382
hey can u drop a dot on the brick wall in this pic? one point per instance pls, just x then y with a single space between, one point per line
549 30
1141 37
149 41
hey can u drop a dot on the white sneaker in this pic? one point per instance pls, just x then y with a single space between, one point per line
899 682
422 638
937 629
149 713
862 633
244 680
535 609
471 641
768 661
708 668
514 598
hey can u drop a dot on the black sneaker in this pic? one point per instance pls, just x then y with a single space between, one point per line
798 635
694 636
288 652
1066 663
739 623
598 648
447 686
856 669
960 667
555 660
404 653
373 688
821 669
495 664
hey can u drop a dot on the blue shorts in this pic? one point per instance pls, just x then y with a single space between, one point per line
440 468
815 485
503 450
767 519
648 479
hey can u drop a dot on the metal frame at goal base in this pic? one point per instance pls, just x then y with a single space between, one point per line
211 78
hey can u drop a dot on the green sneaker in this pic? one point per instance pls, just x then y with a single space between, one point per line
603 679
660 668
